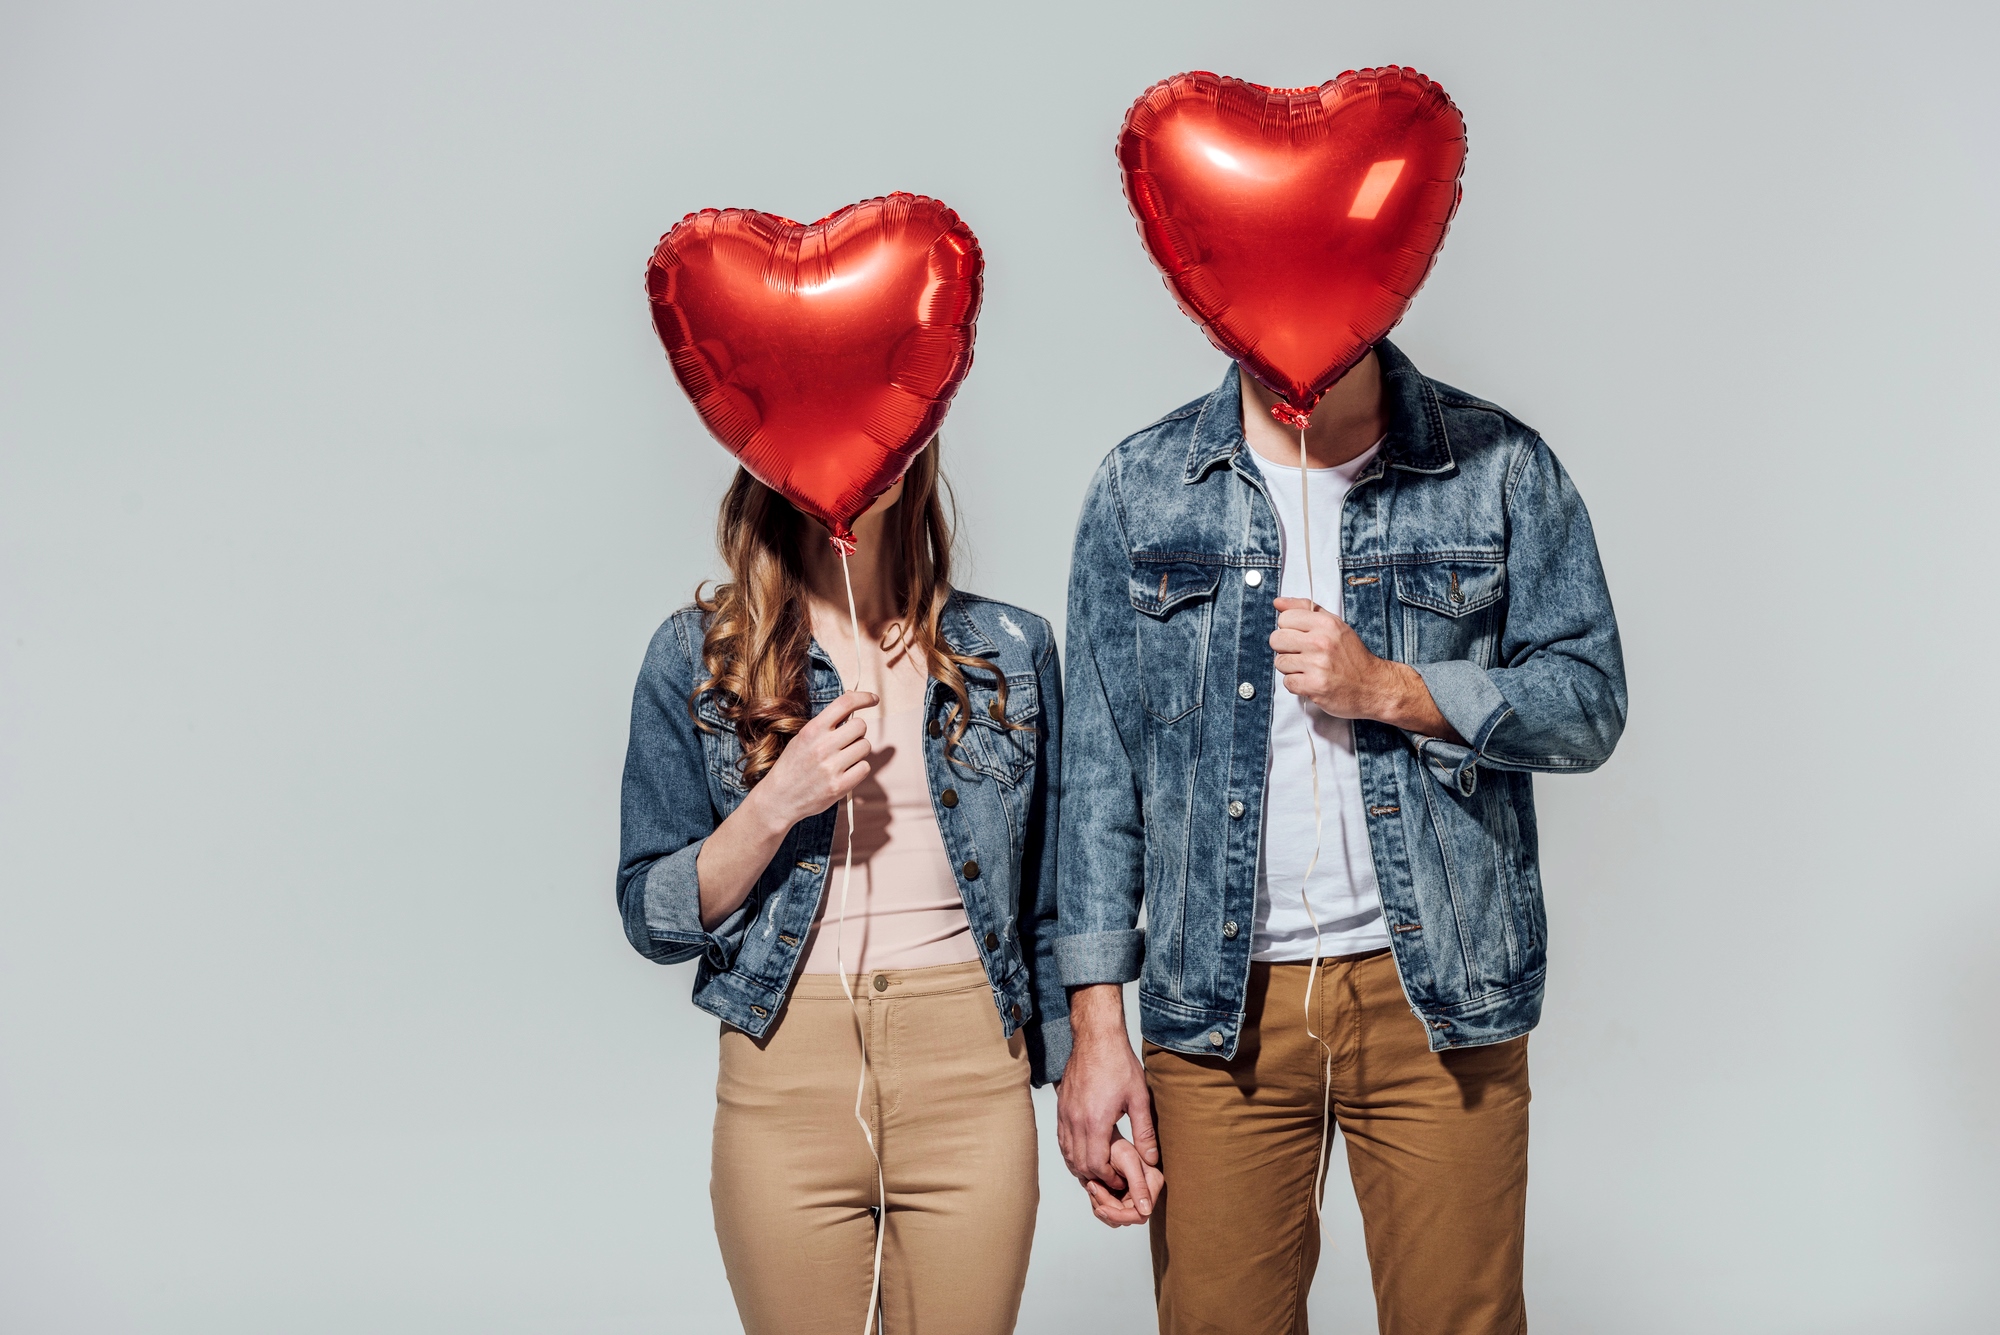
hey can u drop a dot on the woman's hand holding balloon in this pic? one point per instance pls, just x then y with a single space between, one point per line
822 764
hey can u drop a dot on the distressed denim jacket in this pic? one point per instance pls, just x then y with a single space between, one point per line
1466 553
995 796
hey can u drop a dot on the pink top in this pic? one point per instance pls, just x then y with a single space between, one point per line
903 907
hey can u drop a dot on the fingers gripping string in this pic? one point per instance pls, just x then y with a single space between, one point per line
1312 754
847 984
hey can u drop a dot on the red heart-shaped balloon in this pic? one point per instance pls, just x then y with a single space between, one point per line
1294 224
822 356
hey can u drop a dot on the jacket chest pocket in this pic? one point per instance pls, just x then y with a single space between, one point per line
1450 609
1175 601
1002 742
720 746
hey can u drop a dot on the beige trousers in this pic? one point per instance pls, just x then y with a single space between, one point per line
1437 1149
794 1186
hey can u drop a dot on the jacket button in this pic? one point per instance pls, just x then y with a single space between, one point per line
1215 1038
992 941
1229 930
1015 1011
881 982
936 728
758 1011
1235 810
949 797
1246 690
1253 577
971 870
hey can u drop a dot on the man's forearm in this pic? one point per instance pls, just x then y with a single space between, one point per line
1405 702
1096 1011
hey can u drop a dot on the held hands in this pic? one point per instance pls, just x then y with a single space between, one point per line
820 766
1102 1083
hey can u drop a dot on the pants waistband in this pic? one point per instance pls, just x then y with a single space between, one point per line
882 984
1324 960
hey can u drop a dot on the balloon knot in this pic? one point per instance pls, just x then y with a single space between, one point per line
845 546
1292 417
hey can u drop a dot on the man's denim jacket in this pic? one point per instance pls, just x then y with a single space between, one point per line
1465 552
995 796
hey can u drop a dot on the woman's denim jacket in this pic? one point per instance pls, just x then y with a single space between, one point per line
995 797
1465 552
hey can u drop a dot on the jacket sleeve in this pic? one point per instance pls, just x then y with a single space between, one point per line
1048 1039
666 815
1556 702
1102 867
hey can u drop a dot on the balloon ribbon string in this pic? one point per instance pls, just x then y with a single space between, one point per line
1312 755
847 986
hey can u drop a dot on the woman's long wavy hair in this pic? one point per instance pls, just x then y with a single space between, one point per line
759 623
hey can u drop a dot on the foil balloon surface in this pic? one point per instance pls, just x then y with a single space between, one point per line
823 355
1294 224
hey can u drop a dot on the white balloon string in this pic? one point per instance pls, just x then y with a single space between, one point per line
1312 755
847 986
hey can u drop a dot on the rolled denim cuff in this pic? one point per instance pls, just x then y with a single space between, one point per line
1473 705
1454 766
1467 698
1054 1038
672 905
1099 957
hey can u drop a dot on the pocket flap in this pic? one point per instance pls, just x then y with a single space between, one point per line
708 709
1454 588
1158 587
1024 703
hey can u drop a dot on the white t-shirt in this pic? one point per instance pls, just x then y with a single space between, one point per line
1343 892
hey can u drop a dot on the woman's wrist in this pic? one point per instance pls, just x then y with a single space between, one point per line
765 815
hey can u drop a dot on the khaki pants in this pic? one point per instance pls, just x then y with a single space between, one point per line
794 1186
1437 1147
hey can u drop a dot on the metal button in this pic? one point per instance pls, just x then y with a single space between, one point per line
949 797
992 941
936 729
971 870
1246 690
1229 930
1015 1011
1235 810
1253 577
881 982
759 1011
1215 1038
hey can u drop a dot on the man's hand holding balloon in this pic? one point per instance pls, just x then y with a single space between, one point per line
1324 661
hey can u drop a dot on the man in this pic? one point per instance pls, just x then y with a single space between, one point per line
1462 639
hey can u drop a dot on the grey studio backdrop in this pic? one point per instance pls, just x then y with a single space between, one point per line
343 482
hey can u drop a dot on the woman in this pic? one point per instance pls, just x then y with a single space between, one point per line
744 751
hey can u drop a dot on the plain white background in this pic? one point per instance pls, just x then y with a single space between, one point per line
342 482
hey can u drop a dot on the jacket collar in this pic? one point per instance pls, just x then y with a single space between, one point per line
960 631
1416 443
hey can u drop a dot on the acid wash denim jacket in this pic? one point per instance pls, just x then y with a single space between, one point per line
995 796
1465 552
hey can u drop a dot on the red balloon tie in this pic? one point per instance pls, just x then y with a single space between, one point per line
1295 418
